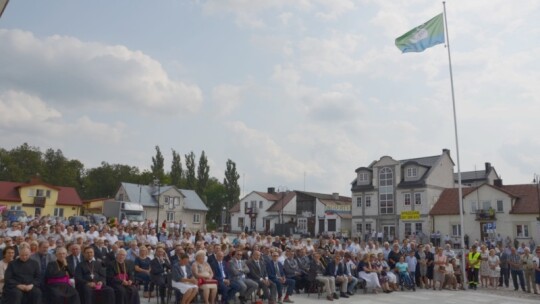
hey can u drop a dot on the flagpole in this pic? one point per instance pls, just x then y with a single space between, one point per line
460 190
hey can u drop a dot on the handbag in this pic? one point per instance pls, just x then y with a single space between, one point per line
202 281
497 268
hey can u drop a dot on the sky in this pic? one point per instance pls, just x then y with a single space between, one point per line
297 93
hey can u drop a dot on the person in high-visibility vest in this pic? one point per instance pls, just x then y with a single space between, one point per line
474 266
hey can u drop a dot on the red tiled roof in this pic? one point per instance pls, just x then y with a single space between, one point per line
283 201
235 208
526 199
9 192
68 196
270 196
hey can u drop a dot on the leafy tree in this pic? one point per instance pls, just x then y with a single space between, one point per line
58 170
105 180
215 200
157 167
232 188
176 170
23 163
191 181
202 175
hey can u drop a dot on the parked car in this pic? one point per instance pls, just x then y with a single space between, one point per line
97 219
79 220
14 216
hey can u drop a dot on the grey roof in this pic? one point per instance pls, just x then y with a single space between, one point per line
193 201
140 194
472 175
428 161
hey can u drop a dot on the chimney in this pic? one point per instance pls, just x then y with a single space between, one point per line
446 151
336 196
498 182
488 167
271 190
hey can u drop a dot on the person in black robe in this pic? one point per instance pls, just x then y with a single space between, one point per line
121 277
22 280
58 280
90 281
159 268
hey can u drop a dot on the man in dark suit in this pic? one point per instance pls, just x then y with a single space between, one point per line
100 250
277 275
336 269
178 252
257 272
74 258
159 268
293 271
43 257
225 288
90 281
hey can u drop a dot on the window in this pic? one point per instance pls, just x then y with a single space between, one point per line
408 229
486 205
170 216
368 201
302 224
241 222
418 198
363 177
196 218
473 207
386 191
368 228
40 193
121 196
359 202
359 228
456 230
412 172
500 206
522 231
48 193
59 212
331 225
15 208
417 227
166 199
407 199
260 204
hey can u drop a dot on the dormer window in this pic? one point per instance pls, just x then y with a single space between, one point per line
363 177
412 172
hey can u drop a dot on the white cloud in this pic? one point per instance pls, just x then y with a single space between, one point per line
227 97
65 70
23 114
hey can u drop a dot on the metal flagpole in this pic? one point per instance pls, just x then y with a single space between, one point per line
460 190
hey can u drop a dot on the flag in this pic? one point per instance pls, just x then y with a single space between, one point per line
423 36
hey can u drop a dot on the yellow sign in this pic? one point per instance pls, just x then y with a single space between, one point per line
410 215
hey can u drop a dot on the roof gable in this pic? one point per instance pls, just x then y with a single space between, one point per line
192 201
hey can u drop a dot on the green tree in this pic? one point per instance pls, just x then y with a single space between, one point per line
203 171
232 188
176 170
215 200
23 163
105 180
157 167
191 180
58 170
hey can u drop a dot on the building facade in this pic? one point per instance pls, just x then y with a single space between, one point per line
395 196
489 211
175 205
37 198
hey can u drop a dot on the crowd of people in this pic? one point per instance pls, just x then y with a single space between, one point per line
48 261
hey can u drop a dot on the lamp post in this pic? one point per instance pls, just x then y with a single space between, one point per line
536 180
157 183
223 218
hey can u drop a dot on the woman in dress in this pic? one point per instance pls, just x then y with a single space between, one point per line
160 266
440 268
59 287
142 271
203 272
485 272
183 280
430 257
368 274
494 269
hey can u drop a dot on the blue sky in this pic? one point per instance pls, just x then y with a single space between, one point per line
284 88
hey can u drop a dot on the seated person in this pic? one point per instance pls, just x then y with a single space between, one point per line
59 281
121 277
90 280
22 279
160 266
183 280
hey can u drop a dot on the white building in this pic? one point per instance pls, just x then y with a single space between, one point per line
395 196
490 210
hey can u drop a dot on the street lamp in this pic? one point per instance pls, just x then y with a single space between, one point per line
536 180
223 218
157 183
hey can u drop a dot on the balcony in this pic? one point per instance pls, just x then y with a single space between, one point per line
251 211
485 215
38 202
